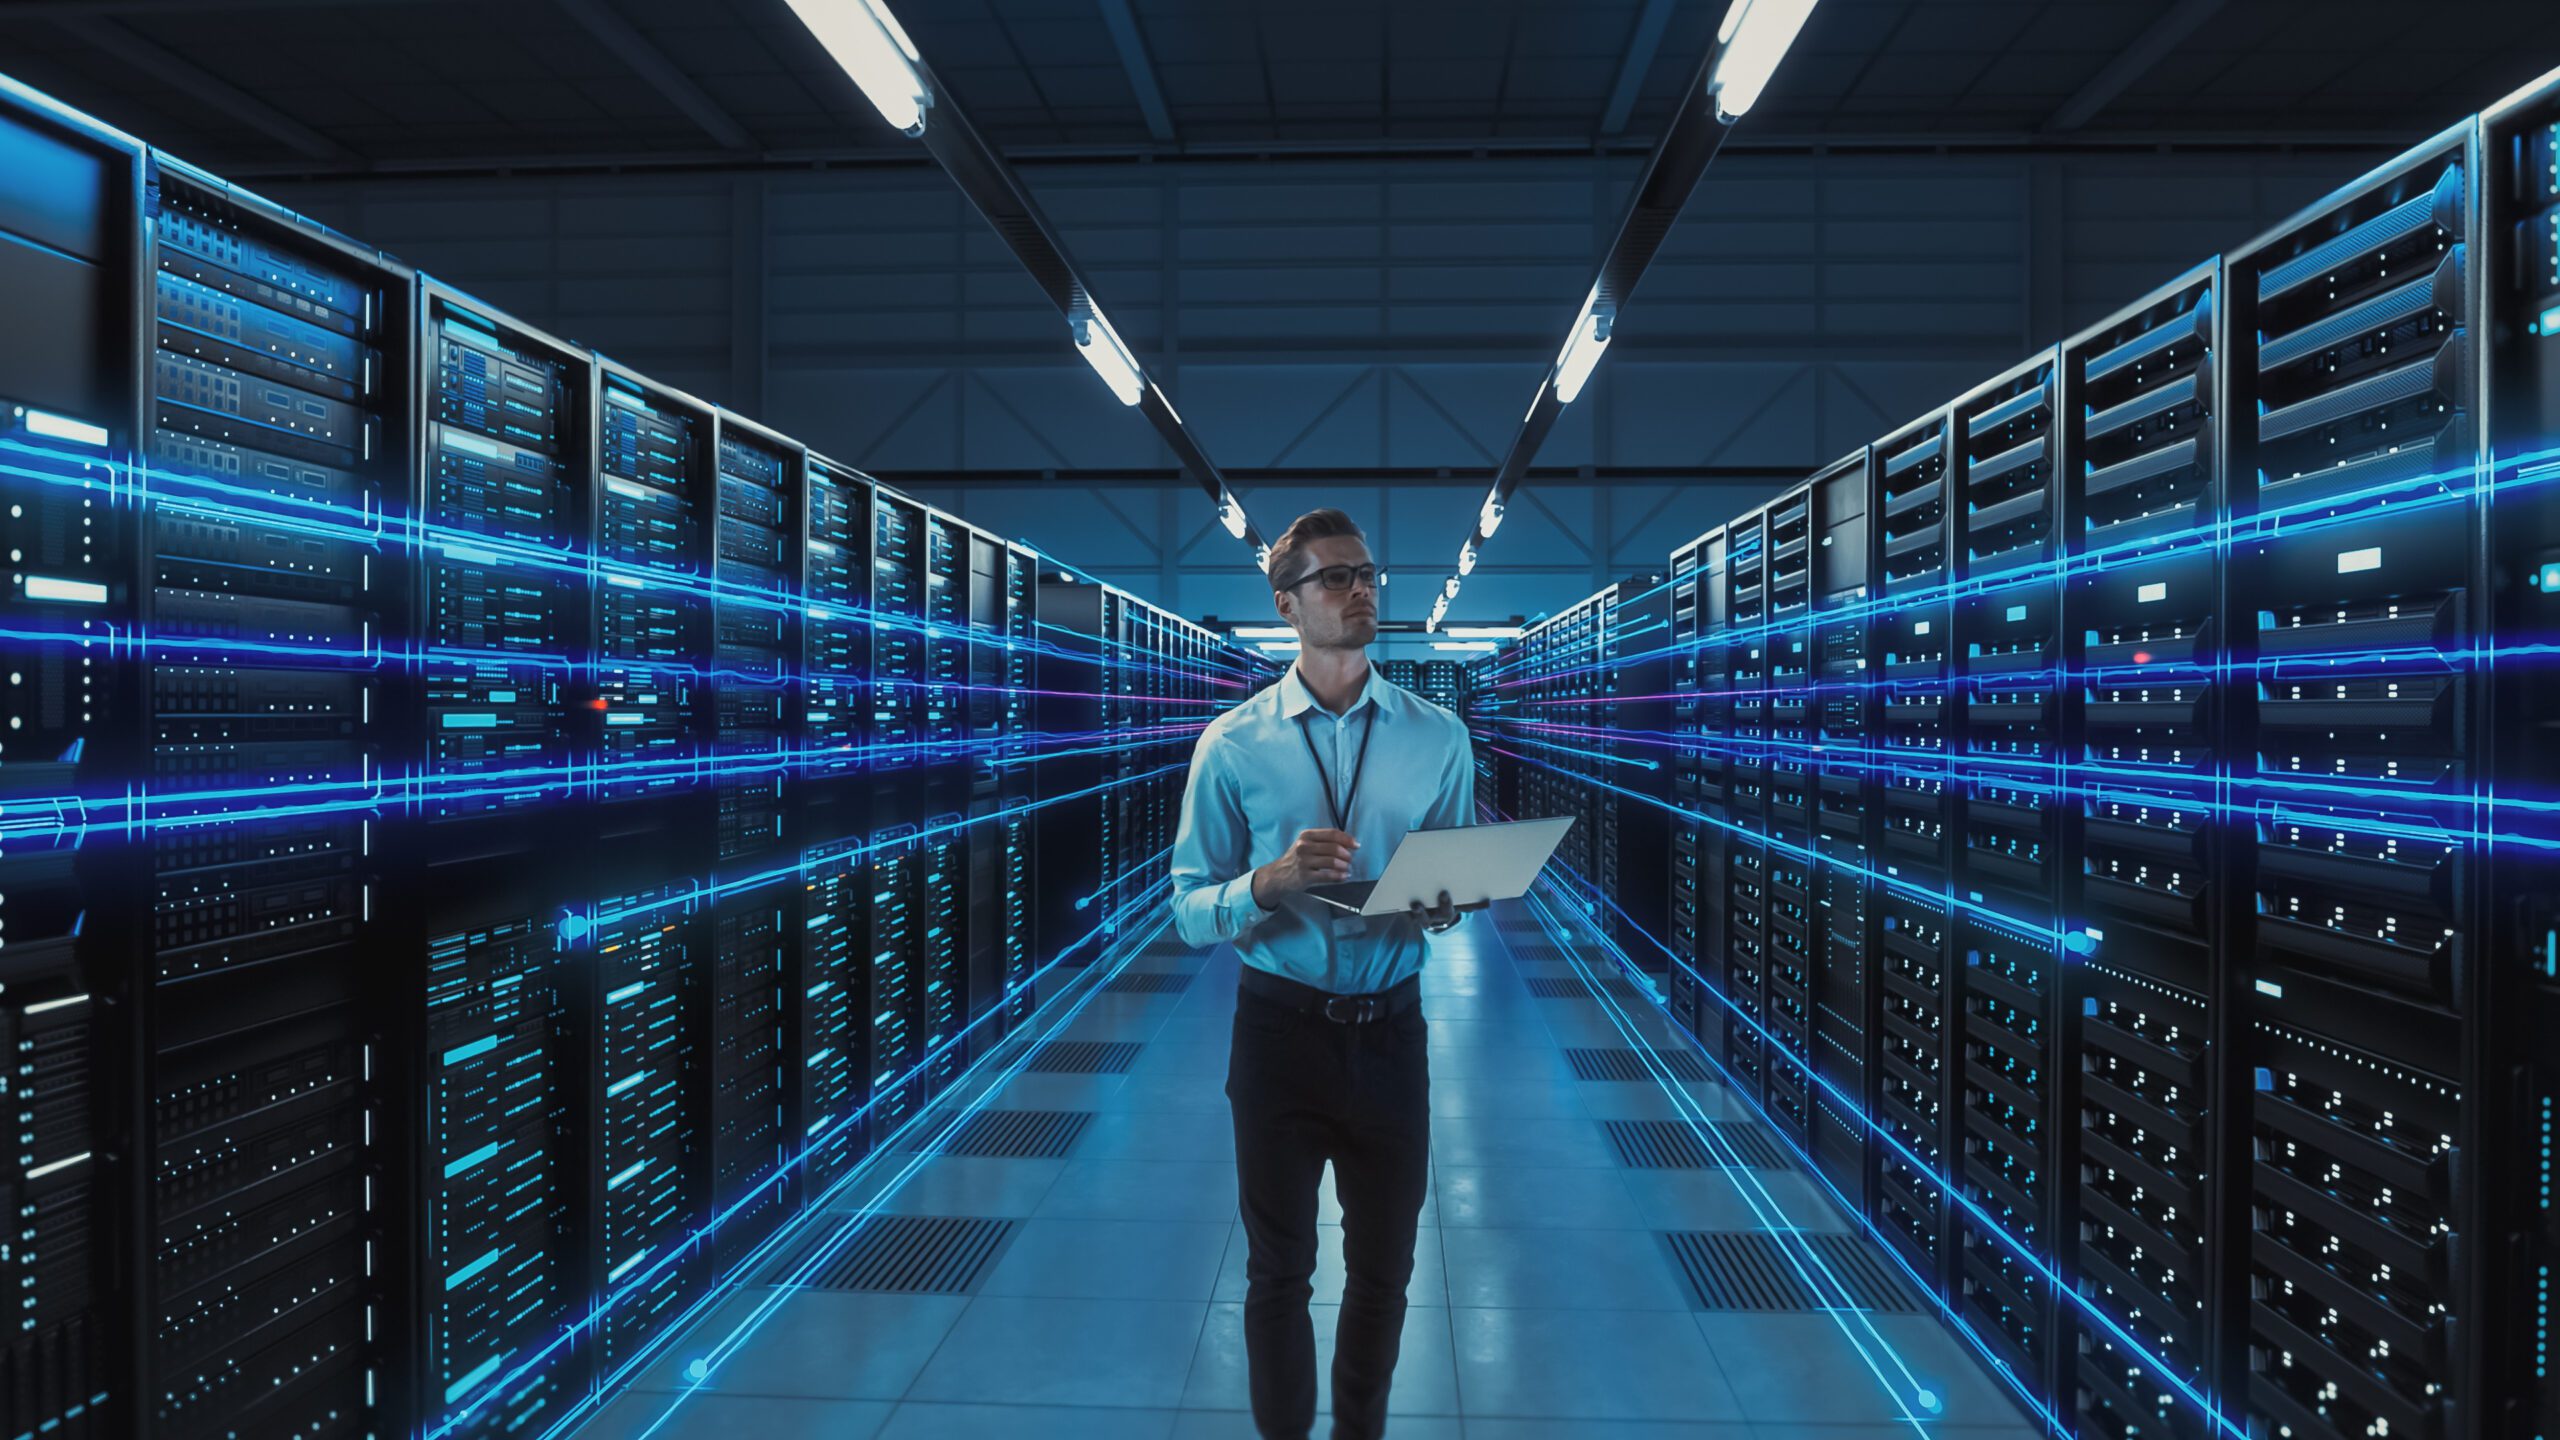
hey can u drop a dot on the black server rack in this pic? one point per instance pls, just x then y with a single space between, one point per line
1789 929
1002 582
2007 646
278 398
1442 682
759 525
1842 728
501 1118
1742 909
1700 721
899 964
2142 625
1017 636
1634 670
641 963
1406 674
828 990
2357 547
1915 1054
2520 249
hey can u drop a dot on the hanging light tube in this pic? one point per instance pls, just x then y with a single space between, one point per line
1489 519
1231 515
872 47
1101 347
1583 347
1756 35
1467 558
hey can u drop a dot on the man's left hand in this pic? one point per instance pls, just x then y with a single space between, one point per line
1439 917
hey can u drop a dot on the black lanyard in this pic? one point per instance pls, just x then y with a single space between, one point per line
1342 811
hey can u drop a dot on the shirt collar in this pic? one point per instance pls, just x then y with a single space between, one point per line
1296 699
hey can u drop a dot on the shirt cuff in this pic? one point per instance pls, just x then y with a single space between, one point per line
1237 905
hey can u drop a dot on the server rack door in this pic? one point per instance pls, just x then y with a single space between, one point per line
1842 728
2521 1001
2357 530
71 308
278 401
2143 1087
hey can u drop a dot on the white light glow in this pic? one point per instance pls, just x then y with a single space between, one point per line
1449 590
1467 559
1461 644
1583 348
79 592
1101 348
865 39
1262 557
1263 632
1484 632
63 427
1231 515
1279 647
1756 35
1489 518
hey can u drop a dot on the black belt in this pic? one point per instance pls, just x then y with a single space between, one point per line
1300 999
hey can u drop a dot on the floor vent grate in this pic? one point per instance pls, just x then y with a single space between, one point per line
1863 1271
1598 1063
1083 1057
1751 1270
1676 1145
1531 952
1559 987
1018 1134
900 1254
1149 982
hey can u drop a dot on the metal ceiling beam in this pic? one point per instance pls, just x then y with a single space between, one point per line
1122 22
650 63
990 185
2131 63
179 73
1642 46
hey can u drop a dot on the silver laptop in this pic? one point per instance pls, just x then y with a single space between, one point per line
1476 864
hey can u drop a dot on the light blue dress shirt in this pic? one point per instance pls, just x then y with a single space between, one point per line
1253 787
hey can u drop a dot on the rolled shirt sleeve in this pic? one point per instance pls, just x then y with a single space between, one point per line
1213 855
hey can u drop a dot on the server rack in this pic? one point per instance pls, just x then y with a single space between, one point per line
2007 645
2357 519
2520 1249
1699 722
1842 728
1743 907
2142 625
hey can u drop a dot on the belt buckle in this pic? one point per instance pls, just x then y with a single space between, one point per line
1364 1008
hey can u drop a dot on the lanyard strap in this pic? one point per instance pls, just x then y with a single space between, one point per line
1342 811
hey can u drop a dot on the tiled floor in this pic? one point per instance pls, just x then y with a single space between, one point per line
1544 1305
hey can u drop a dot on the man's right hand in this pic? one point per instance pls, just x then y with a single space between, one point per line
1316 857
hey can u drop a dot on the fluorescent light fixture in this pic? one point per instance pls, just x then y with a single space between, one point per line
1262 557
1583 346
1489 518
1279 647
1467 559
63 427
1449 589
1461 644
1231 515
1263 632
865 39
1755 35
1100 345
1484 632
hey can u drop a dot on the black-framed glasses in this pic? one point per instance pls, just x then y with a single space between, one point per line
1343 577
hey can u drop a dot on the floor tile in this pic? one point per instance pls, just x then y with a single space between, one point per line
1028 1350
1029 1091
1824 1379
1560 1270
1519 1099
1647 1100
1112 1259
1430 1284
1491 1428
1539 1061
1189 1059
969 1185
1130 1134
931 1420
816 1343
1519 1195
1143 1190
1714 1200
1237 1425
703 1415
1521 1032
1500 1140
1426 1382
1586 1364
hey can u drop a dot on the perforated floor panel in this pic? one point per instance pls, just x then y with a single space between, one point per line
1676 1145
1614 1063
1149 982
1018 1134
1751 1270
899 1254
1084 1057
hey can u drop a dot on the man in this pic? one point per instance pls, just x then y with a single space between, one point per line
1315 780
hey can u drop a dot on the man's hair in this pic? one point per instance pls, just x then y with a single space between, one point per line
1314 525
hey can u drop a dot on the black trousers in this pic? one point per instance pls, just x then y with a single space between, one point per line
1306 1090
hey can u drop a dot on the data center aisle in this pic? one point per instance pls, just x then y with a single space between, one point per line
1547 1301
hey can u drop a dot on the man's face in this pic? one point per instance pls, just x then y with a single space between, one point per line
1331 619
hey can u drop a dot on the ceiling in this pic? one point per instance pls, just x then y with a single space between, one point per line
354 86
